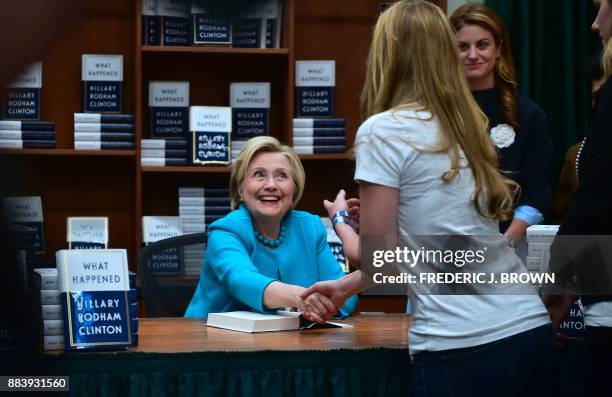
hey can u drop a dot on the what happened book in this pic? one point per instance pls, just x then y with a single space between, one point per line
169 109
250 104
94 287
22 99
154 228
211 128
24 215
87 232
253 322
315 82
102 77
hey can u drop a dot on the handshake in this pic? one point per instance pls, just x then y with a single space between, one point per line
322 300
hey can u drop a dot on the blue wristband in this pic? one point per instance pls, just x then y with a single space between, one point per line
341 219
341 213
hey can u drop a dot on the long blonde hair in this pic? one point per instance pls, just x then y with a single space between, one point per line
413 59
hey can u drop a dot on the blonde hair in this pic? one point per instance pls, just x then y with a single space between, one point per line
413 59
505 72
606 59
266 144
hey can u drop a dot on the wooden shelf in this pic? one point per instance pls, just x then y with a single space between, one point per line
188 169
68 152
334 156
215 50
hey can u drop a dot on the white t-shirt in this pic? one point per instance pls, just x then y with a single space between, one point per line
389 153
598 314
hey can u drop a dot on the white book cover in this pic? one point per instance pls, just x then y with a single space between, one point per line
155 228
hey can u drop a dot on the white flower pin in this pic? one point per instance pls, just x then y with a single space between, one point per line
502 135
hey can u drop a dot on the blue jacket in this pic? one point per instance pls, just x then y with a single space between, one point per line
237 269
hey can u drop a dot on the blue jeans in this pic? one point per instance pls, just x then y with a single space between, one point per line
519 365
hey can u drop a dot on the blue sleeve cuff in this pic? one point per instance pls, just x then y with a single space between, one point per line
528 214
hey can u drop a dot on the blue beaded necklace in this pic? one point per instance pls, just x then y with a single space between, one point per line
266 241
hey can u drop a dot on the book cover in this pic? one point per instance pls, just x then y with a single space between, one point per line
169 109
175 22
573 325
94 286
154 228
315 81
209 29
248 29
16 125
210 127
151 23
250 104
104 136
320 149
24 215
208 192
102 77
19 135
87 232
102 118
22 99
104 127
273 18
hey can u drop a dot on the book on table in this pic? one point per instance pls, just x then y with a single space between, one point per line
251 322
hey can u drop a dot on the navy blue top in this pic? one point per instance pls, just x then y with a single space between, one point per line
237 269
527 160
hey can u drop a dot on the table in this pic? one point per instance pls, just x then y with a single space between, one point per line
178 356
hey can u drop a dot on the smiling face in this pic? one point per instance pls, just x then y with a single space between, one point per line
603 20
479 52
268 188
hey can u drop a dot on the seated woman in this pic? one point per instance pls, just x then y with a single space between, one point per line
262 255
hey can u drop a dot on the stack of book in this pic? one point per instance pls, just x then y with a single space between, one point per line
48 320
539 239
15 134
319 136
193 258
237 145
24 217
164 152
183 23
98 131
335 244
201 206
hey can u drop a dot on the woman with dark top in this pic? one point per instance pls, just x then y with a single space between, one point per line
589 223
518 126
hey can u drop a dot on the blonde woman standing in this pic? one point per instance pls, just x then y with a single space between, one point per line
425 166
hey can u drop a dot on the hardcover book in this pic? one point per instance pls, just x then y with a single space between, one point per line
94 286
44 278
331 149
151 23
162 161
318 141
250 104
25 218
15 125
251 322
169 108
318 132
87 232
22 100
249 29
155 228
27 144
103 127
18 135
210 127
104 136
273 17
164 153
207 192
162 144
573 324
103 145
102 118
102 77
209 29
175 22
315 81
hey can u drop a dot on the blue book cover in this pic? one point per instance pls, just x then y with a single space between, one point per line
315 82
246 33
154 228
151 23
210 128
573 324
95 297
22 104
169 109
250 104
208 29
24 215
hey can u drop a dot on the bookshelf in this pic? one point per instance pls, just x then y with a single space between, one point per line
112 182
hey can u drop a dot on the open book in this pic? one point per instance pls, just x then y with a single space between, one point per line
244 321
